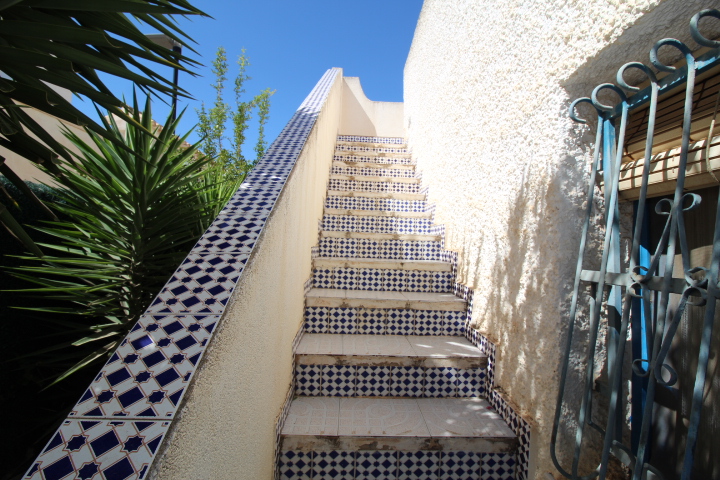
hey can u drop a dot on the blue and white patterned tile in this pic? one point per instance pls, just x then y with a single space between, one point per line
418 281
333 465
148 374
296 465
395 281
323 278
407 382
230 234
376 465
308 380
452 323
460 466
471 382
82 449
202 284
418 465
316 319
400 321
498 466
371 321
338 380
373 381
429 322
341 320
345 278
370 279
440 382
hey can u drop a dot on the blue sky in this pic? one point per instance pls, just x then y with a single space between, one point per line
290 44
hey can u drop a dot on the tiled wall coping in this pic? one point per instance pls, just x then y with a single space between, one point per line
129 416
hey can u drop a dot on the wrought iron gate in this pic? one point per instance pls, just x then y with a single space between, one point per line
637 298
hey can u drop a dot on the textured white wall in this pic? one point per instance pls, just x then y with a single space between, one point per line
226 429
487 86
364 117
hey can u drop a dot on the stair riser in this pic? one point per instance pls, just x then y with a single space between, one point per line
383 280
384 204
401 160
396 465
370 224
383 321
361 149
381 187
390 249
385 381
365 139
373 172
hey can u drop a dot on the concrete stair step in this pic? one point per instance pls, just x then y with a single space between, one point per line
388 351
375 203
363 186
371 224
395 424
375 178
376 213
374 165
363 247
381 236
380 263
385 195
364 148
334 297
376 275
375 157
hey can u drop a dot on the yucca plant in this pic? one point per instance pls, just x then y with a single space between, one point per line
132 215
67 43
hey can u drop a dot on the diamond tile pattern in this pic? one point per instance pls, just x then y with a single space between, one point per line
111 432
81 449
202 284
148 374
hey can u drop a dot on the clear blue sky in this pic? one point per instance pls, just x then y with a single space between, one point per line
290 44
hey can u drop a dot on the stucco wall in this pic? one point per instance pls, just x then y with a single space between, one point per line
226 429
364 117
487 86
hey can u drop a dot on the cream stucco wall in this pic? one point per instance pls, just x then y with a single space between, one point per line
226 429
487 86
364 117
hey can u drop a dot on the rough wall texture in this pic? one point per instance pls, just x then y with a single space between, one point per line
227 426
487 86
364 117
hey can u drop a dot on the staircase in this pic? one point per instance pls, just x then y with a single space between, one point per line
386 384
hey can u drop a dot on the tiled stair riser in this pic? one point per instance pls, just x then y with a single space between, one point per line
373 172
398 160
375 279
396 465
370 186
372 248
368 203
359 138
342 147
383 321
392 381
371 224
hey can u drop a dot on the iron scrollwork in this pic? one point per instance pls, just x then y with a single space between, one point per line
640 281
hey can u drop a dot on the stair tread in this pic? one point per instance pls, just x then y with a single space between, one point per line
387 345
388 195
379 166
335 297
376 213
380 295
383 263
381 236
419 418
374 178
